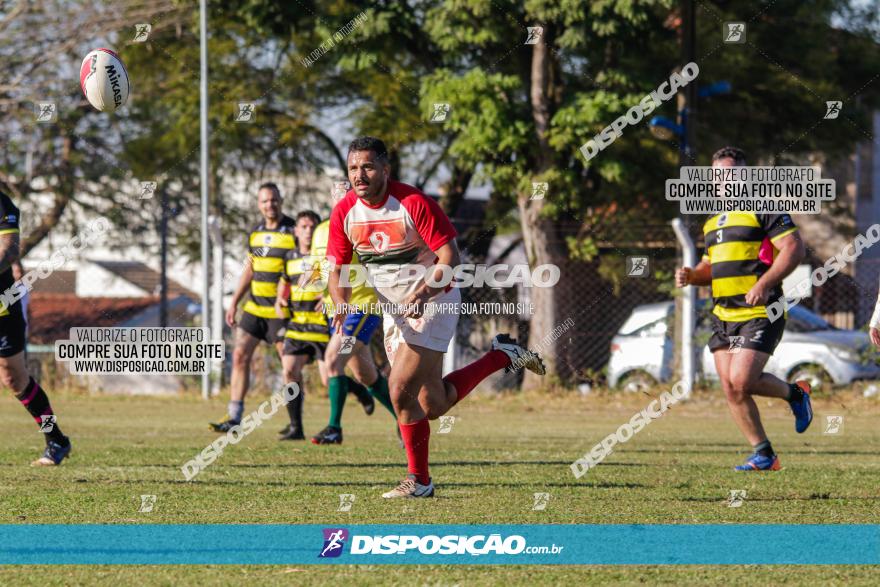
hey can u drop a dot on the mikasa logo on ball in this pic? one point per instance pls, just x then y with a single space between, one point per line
114 84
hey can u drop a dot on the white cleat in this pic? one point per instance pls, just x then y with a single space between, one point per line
409 487
519 356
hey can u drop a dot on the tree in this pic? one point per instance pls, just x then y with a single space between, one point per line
520 112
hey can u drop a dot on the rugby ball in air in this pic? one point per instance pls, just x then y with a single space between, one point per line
103 80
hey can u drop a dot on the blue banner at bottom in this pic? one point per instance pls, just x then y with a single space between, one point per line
612 544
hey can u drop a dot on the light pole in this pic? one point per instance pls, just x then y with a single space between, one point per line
203 127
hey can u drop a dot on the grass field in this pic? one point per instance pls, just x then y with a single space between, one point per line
499 452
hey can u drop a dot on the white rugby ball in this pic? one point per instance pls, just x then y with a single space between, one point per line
104 81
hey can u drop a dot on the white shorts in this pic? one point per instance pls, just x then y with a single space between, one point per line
431 331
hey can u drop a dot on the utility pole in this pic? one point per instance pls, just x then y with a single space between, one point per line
163 260
203 127
687 109
687 98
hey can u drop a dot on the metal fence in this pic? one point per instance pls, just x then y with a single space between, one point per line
599 294
596 296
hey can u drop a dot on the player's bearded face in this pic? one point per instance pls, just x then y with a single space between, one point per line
367 174
269 204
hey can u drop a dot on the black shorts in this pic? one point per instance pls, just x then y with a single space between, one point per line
12 332
315 350
270 330
759 334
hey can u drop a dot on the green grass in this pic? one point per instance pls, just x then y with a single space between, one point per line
498 454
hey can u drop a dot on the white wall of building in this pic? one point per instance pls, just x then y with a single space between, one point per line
95 281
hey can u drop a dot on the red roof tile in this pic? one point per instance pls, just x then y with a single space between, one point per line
51 316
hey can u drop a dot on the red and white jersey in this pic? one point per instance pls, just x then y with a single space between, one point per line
405 228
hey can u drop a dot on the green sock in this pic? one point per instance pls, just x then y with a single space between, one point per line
338 390
379 390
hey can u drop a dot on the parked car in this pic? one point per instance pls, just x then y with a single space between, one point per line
642 350
811 349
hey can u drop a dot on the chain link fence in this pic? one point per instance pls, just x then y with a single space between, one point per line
631 266
597 295
602 293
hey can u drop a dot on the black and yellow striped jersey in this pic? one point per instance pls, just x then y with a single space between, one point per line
739 246
306 322
268 248
9 219
362 295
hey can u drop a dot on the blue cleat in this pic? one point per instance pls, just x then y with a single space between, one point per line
53 455
802 410
758 462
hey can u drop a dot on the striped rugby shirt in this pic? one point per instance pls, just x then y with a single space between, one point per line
268 248
9 219
406 227
739 246
306 321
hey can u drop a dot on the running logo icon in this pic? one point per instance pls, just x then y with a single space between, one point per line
832 109
340 188
148 188
736 498
47 423
334 540
535 33
541 501
734 32
347 345
245 112
141 32
45 112
346 500
147 504
446 423
736 343
539 190
637 266
440 112
833 425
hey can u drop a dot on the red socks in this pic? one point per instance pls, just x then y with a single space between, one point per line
417 435
467 378
415 438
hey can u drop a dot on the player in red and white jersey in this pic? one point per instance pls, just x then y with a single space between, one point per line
395 230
